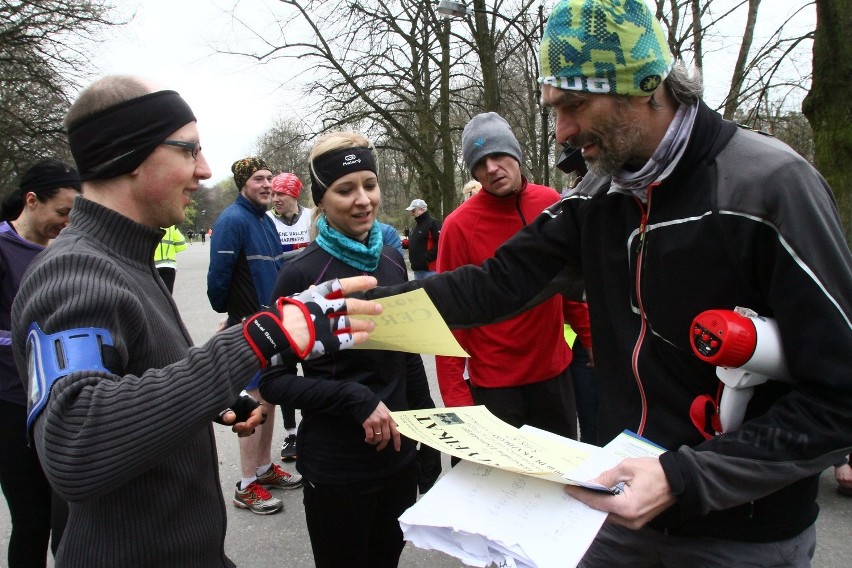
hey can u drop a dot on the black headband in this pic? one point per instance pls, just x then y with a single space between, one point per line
331 166
116 140
46 183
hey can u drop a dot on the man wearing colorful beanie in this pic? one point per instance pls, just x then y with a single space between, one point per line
681 212
246 253
293 223
245 256
517 368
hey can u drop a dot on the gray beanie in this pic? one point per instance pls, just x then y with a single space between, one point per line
488 133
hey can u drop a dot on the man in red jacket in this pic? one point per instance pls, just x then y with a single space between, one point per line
517 368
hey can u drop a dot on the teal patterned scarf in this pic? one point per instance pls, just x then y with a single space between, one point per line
356 254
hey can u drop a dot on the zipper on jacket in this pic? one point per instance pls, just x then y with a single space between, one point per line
520 211
645 208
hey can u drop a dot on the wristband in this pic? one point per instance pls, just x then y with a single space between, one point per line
265 333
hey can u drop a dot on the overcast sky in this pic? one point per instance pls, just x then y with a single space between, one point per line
235 99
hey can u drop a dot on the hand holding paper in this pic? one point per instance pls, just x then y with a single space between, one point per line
513 516
646 492
410 322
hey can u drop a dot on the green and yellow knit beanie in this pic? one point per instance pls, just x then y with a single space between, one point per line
604 46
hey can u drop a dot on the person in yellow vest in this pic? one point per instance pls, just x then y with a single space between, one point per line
164 256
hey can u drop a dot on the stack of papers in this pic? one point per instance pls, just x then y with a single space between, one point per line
481 514
506 503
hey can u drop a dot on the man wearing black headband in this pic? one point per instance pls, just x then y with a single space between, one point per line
108 362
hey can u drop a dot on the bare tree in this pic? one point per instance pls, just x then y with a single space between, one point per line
411 79
505 37
285 147
490 28
44 48
377 67
759 72
735 92
210 201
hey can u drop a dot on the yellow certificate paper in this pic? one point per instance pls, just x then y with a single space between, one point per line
474 434
410 322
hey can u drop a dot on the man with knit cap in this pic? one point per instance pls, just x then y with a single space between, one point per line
517 368
245 256
423 240
120 403
293 223
681 212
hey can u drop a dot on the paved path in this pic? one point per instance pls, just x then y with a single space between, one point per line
256 541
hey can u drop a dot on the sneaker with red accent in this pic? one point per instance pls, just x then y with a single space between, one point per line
277 478
257 499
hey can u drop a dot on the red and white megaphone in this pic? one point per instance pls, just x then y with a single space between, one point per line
746 349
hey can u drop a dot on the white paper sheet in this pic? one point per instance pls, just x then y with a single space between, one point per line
481 514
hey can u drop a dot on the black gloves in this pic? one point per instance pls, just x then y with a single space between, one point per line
242 407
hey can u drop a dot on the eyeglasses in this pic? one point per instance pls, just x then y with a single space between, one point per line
193 147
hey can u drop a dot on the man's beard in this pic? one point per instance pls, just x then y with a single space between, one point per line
623 138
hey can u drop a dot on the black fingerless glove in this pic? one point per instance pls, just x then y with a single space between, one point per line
242 407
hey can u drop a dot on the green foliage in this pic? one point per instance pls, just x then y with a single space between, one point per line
209 202
191 212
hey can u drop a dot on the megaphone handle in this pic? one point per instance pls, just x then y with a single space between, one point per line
732 407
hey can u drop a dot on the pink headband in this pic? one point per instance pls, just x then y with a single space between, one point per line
287 183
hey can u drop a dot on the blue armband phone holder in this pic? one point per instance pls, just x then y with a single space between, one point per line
51 357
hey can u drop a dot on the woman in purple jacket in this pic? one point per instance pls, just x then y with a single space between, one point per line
32 215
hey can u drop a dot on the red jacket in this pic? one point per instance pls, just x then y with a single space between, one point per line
526 349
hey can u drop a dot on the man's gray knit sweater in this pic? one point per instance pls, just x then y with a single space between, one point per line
133 452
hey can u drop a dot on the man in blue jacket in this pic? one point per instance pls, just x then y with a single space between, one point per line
245 255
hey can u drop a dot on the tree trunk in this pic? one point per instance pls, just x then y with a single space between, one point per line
828 105
732 102
697 35
483 36
449 199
